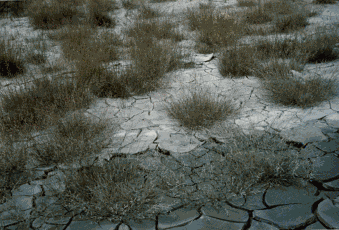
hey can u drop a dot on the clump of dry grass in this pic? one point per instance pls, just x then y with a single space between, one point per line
37 106
200 110
215 28
313 49
79 43
237 61
151 60
264 159
146 29
283 88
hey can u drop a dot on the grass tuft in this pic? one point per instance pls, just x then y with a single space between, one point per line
150 62
199 110
209 21
237 61
288 90
144 30
36 106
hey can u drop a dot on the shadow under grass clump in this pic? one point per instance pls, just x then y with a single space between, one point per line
100 19
10 66
320 48
44 16
37 107
286 24
302 91
324 1
200 110
11 63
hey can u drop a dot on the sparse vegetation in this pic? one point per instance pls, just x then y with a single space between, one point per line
118 189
